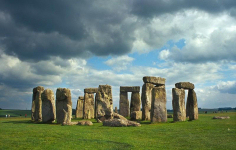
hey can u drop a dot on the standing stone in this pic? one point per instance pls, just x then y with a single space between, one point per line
79 107
88 110
48 106
104 102
32 110
63 105
37 103
192 104
96 106
124 104
116 111
146 100
158 109
135 102
136 115
178 104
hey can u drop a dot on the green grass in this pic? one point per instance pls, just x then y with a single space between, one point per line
15 113
205 133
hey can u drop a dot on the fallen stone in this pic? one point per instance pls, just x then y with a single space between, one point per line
184 85
158 109
136 115
223 117
90 90
129 88
120 123
48 106
154 80
116 111
85 123
178 104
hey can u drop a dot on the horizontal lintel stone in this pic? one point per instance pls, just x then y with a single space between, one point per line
90 90
154 80
184 85
129 88
81 98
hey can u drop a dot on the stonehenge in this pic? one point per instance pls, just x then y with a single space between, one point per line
48 106
63 105
89 107
100 106
149 84
79 107
178 102
36 111
135 103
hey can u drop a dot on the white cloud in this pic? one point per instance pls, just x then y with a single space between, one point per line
164 54
119 63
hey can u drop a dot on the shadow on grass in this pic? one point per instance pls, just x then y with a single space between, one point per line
20 122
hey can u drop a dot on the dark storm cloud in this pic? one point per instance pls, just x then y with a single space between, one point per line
36 30
151 8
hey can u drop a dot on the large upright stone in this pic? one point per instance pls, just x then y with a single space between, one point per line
192 104
146 100
48 106
158 109
124 104
184 85
88 111
135 103
79 107
63 105
32 110
104 102
154 80
37 91
178 104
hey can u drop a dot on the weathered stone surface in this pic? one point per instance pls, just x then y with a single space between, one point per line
158 109
135 103
136 115
118 116
32 110
178 104
90 90
221 117
85 123
124 104
96 106
129 88
192 104
88 110
116 111
184 85
146 100
120 123
154 80
104 102
79 107
37 91
63 105
48 106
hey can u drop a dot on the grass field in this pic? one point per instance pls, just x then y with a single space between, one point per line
205 133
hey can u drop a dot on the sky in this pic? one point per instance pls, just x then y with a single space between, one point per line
80 44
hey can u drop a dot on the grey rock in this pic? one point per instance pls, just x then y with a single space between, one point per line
37 91
90 90
79 107
136 115
178 104
124 104
88 109
154 80
85 123
129 88
48 106
120 123
63 105
184 85
221 117
146 100
192 105
135 104
158 109
116 111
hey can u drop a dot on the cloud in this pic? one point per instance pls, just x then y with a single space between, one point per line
226 87
119 63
